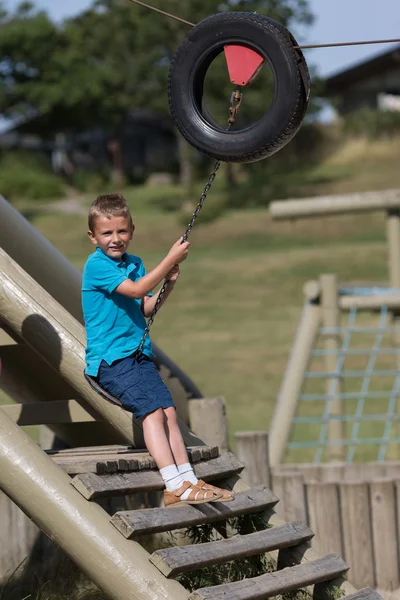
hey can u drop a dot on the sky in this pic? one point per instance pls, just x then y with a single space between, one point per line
335 21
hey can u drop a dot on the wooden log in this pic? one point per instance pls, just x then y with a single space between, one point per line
207 418
335 205
383 512
180 559
323 509
155 520
94 486
292 383
252 451
357 535
47 413
332 343
273 584
43 491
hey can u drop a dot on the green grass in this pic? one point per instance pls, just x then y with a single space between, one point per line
231 319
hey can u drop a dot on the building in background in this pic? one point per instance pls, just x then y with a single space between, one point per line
373 84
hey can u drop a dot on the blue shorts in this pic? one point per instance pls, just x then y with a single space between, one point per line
136 383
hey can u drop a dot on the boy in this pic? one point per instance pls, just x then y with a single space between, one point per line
116 298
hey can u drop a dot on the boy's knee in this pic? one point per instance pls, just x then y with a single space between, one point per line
156 415
170 413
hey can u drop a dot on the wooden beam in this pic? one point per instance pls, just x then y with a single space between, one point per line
181 559
49 413
324 206
132 523
275 584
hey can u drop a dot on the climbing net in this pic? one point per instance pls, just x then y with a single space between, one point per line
352 412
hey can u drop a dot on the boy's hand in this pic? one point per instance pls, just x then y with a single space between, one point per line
174 273
179 251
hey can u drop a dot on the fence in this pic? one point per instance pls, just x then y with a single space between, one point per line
353 511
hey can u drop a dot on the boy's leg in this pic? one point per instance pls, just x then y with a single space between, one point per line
157 443
181 458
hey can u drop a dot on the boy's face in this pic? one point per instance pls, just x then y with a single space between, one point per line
112 235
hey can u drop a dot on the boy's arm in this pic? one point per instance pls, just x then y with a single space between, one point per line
142 287
149 302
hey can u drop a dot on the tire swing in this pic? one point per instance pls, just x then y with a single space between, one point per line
249 41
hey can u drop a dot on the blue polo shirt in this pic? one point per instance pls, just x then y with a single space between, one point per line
114 323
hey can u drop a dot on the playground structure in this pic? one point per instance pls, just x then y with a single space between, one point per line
66 492
334 437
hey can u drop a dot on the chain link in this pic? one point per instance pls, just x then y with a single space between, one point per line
236 100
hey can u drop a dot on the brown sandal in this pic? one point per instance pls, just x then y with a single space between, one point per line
226 495
197 495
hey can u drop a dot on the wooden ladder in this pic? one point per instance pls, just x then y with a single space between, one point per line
99 473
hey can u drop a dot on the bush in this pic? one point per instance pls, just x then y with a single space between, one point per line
373 124
88 181
26 175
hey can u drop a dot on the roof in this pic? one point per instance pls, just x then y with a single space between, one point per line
361 71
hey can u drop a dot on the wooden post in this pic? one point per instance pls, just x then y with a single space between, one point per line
252 451
289 487
393 239
331 319
207 418
357 535
292 382
119 567
383 513
324 517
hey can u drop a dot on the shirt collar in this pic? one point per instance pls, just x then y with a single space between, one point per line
127 259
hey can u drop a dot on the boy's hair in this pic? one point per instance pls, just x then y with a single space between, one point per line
108 205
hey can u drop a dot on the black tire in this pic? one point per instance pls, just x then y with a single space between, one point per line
189 66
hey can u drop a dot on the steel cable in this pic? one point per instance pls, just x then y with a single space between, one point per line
307 47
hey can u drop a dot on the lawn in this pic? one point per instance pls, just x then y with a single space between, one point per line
231 320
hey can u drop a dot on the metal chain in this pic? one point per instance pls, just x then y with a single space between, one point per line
236 99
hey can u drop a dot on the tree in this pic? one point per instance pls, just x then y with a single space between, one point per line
92 69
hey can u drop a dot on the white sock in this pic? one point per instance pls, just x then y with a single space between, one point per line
187 473
171 477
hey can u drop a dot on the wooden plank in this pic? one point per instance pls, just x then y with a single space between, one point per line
180 559
102 462
195 453
365 594
289 487
383 511
93 486
157 520
252 451
324 517
273 584
294 498
357 535
50 413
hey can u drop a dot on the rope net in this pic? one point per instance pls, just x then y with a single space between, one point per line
365 385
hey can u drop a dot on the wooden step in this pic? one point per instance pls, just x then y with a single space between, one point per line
365 594
180 559
156 520
280 582
114 459
93 486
